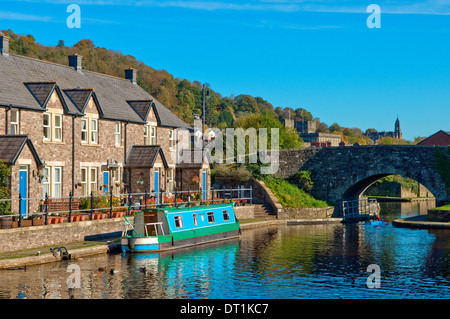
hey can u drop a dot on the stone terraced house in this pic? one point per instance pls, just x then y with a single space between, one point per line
66 130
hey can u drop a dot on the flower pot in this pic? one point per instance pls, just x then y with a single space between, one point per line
26 223
6 222
38 222
82 217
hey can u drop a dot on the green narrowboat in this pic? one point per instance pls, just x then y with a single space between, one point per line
161 229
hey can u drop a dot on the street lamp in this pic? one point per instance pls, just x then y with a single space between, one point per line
205 94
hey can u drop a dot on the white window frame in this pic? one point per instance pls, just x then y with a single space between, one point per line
226 214
194 217
48 126
146 139
169 180
171 138
179 219
85 181
15 125
58 128
46 181
93 184
117 134
57 184
85 130
94 131
212 219
152 135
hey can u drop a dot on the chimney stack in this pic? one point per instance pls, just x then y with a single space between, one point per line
75 62
4 44
130 74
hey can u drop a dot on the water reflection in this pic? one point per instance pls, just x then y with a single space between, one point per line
394 210
304 261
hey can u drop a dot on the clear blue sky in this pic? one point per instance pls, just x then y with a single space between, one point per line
319 55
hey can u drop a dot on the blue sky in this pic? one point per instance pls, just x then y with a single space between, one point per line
319 55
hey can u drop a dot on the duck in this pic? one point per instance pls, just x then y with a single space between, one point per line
102 268
113 271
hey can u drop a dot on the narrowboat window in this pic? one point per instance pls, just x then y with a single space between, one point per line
178 221
195 219
226 216
210 217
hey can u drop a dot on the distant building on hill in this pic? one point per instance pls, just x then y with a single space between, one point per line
397 133
439 138
307 131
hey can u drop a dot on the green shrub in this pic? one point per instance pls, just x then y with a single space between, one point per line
5 173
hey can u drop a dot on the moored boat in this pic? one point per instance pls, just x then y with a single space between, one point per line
161 229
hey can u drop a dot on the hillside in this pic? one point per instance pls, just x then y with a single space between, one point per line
182 96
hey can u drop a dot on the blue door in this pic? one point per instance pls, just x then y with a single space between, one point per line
105 182
204 185
23 189
157 185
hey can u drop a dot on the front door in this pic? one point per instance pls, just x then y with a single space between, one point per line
23 189
157 185
105 182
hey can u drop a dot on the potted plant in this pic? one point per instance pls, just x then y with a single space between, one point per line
37 220
6 221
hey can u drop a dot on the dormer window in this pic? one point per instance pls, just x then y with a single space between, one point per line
171 138
15 122
47 127
149 135
117 134
94 131
84 131
58 128
53 126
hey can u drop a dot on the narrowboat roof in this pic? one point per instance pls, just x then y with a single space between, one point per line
193 208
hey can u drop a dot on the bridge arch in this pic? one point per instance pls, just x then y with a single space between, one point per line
343 173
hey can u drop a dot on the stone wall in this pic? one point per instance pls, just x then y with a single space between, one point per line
306 213
15 239
437 215
244 212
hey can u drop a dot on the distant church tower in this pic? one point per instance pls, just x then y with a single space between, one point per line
397 131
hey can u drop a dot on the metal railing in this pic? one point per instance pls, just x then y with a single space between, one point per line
107 204
359 209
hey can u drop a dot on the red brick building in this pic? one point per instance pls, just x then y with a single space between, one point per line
439 138
76 128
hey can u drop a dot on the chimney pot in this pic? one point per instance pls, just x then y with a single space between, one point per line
130 74
75 62
4 44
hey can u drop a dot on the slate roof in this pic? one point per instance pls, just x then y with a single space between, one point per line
111 92
12 145
144 156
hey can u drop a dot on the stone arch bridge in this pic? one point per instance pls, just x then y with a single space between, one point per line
344 173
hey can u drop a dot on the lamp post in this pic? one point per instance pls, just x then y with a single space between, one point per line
205 94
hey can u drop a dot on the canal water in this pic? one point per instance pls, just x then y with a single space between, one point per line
289 262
